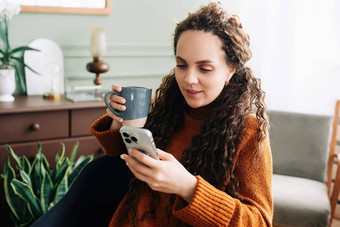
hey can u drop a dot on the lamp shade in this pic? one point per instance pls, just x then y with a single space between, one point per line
98 42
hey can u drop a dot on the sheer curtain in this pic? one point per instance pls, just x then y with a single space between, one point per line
296 52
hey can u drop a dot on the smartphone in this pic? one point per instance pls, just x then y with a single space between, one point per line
139 138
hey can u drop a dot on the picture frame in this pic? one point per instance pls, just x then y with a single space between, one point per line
38 7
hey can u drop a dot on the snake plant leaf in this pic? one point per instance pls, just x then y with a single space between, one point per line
61 157
79 167
25 178
46 190
61 190
56 159
25 192
58 175
36 176
50 206
12 199
74 153
26 165
17 205
22 48
46 164
15 157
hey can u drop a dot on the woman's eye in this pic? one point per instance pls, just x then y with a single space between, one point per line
181 66
206 69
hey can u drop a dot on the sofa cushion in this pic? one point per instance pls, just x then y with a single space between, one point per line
299 202
300 144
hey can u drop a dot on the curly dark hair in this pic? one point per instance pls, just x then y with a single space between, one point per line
213 149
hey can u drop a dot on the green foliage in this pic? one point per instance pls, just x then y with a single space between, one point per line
8 56
37 188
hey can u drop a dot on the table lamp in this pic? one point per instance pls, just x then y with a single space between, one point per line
97 49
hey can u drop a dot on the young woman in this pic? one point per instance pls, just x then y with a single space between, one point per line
210 126
209 123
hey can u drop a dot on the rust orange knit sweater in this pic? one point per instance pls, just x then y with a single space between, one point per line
209 206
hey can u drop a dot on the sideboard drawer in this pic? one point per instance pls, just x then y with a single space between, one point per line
33 126
82 119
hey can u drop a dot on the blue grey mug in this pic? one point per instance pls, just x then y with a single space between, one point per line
137 102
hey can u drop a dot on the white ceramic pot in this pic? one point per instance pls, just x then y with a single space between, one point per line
7 85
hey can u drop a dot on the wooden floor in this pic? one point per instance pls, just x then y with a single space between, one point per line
336 219
336 223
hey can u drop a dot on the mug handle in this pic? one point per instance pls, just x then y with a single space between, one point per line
107 95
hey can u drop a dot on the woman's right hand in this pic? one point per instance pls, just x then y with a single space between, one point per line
116 102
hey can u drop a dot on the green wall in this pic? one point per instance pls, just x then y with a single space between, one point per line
139 39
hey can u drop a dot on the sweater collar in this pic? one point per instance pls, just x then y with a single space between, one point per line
199 113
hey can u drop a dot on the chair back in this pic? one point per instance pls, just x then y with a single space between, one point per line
300 144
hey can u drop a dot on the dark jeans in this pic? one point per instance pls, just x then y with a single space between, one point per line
93 197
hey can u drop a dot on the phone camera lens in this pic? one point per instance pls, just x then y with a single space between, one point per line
125 134
134 139
128 140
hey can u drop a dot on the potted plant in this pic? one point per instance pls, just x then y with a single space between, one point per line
36 188
9 61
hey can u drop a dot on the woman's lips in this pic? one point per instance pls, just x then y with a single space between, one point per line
192 93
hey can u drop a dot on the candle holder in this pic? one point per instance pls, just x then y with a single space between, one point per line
97 49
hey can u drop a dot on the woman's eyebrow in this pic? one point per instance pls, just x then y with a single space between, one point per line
179 58
198 62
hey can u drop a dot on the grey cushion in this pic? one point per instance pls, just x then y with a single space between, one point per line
299 202
299 144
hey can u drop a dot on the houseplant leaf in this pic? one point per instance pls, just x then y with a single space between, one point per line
36 174
25 178
20 77
25 192
12 199
46 190
23 63
61 157
15 157
74 152
22 48
46 164
19 210
58 174
26 165
78 168
61 190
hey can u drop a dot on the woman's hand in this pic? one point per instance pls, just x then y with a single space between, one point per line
166 175
116 102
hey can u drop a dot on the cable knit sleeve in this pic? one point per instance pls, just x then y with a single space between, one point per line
213 207
110 140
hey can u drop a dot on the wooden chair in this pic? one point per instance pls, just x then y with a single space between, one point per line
303 158
334 160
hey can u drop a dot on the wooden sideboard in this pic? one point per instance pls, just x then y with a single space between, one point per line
30 119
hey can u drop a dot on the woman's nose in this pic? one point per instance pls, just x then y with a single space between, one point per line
191 77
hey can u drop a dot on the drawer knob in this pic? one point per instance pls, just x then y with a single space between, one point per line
35 127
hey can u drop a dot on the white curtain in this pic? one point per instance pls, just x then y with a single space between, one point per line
296 52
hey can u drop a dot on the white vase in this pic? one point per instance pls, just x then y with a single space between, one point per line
7 85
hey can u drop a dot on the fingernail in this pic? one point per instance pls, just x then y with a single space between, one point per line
122 156
123 108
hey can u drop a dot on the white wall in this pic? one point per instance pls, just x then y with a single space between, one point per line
296 52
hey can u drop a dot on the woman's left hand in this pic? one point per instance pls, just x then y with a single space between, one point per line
166 175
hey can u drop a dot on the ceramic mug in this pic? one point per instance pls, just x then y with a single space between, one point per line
137 105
